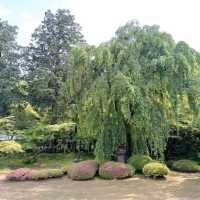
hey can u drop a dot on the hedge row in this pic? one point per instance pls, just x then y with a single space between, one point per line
23 174
183 143
86 170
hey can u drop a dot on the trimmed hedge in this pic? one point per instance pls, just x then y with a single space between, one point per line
155 170
115 170
24 174
21 174
139 161
47 173
185 166
84 170
183 143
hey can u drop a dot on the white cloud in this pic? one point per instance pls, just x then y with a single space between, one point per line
4 12
27 24
101 18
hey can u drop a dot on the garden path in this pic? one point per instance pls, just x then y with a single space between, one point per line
178 186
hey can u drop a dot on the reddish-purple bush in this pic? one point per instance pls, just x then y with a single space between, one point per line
115 170
84 170
20 174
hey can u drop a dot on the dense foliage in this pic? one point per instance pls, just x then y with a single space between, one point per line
10 147
185 166
183 142
139 161
155 170
128 91
9 66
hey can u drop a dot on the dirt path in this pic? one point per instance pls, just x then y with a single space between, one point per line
177 187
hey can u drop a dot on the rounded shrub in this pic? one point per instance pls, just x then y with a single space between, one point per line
155 170
10 147
84 170
115 170
20 174
47 173
185 166
139 161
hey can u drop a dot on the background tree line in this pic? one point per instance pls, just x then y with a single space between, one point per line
128 91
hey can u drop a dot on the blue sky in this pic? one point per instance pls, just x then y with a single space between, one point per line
100 18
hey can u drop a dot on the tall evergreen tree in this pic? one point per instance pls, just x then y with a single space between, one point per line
48 54
9 65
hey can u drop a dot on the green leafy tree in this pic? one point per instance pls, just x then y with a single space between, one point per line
132 91
9 65
47 57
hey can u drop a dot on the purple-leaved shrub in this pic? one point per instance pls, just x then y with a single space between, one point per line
20 174
84 170
115 170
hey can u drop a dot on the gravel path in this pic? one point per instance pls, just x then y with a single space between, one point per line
178 186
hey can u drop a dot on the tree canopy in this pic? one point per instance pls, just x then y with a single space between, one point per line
128 91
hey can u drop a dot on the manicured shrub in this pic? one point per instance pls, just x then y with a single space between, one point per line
47 173
20 174
139 161
23 174
185 166
115 170
84 170
155 170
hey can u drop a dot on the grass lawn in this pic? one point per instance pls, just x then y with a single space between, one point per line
53 160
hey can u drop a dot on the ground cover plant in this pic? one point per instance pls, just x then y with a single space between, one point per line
185 166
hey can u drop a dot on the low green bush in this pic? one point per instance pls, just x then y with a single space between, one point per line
185 166
155 170
139 161
47 173
115 170
84 170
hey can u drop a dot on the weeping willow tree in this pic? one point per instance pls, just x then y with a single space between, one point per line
129 90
